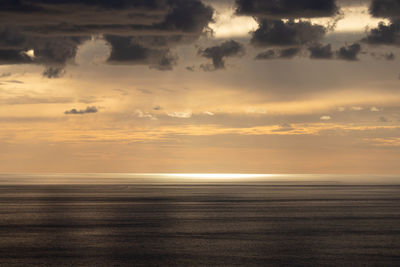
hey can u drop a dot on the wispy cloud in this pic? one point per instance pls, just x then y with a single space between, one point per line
181 114
140 114
325 118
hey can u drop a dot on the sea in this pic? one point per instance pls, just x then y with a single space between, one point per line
199 220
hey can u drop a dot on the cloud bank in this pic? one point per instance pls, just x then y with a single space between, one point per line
143 31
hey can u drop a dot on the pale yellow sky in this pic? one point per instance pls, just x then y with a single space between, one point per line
353 18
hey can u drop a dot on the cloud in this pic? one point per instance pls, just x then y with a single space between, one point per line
181 114
144 91
49 32
139 113
276 20
218 54
319 51
13 56
357 108
51 51
269 54
81 111
285 127
386 56
289 52
375 109
287 8
126 17
29 100
191 68
151 45
385 33
54 72
5 74
14 81
209 113
389 56
280 33
349 52
125 51
187 16
385 8
279 54
383 119
325 118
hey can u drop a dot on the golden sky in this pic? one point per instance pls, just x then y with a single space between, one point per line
229 96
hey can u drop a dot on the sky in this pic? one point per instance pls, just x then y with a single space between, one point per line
200 86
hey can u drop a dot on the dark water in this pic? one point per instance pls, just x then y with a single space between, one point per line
192 224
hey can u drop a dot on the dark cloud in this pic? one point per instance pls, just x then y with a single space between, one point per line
269 54
145 50
349 52
274 31
139 31
386 56
125 51
81 111
52 52
218 53
167 62
53 72
384 34
289 52
287 8
389 56
191 68
187 16
319 51
11 38
14 56
73 17
279 53
385 8
280 33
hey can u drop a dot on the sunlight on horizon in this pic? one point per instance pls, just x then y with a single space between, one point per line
218 175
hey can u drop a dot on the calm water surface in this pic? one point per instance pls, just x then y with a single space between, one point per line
117 220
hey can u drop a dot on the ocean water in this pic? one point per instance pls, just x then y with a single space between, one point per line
197 220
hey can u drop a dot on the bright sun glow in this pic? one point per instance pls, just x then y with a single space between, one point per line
30 53
227 25
217 175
